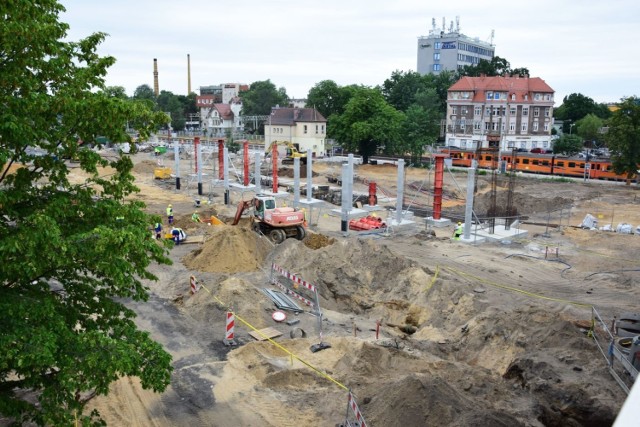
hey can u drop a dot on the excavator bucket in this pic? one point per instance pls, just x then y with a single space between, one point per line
215 221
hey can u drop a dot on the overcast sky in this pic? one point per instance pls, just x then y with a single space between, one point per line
581 46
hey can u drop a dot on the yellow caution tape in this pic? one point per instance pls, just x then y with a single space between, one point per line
291 354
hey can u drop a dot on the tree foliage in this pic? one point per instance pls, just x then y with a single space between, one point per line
66 258
329 98
576 106
368 124
261 97
623 137
422 124
589 128
496 67
568 145
144 92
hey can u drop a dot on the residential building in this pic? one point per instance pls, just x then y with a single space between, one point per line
217 118
448 49
509 112
305 127
232 90
297 102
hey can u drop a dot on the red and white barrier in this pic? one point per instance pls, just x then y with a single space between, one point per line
229 335
293 294
293 277
193 285
358 419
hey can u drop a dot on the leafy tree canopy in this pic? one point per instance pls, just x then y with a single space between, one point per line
328 98
623 137
576 106
67 258
368 124
261 97
496 67
569 145
422 125
589 128
144 92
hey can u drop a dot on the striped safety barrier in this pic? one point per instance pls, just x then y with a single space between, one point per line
354 416
229 336
295 295
193 285
293 277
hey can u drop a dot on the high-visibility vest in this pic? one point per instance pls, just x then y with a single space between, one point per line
169 211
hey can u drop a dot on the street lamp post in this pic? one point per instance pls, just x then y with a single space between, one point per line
571 125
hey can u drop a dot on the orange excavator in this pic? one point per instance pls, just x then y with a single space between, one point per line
276 223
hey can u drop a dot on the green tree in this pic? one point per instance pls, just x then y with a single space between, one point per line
422 124
569 145
116 91
623 138
589 128
327 97
368 124
261 97
496 67
401 88
576 106
144 92
67 261
170 103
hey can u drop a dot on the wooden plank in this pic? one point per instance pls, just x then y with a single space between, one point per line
266 333
193 239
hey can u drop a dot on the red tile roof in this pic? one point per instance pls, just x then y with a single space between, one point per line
224 110
513 85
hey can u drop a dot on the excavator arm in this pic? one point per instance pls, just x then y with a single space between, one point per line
241 208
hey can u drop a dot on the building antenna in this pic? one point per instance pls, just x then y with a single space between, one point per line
493 32
458 24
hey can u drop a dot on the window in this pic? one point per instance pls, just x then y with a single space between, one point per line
547 97
305 128
436 67
477 111
537 97
526 97
463 110
437 45
512 126
513 96
525 111
436 56
546 127
536 112
489 95
454 110
487 111
524 127
316 129
476 125
487 125
512 111
322 128
535 126
546 112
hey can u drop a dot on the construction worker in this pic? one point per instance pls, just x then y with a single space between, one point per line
170 214
457 232
178 235
195 217
158 229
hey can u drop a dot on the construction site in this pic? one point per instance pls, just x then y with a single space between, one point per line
323 292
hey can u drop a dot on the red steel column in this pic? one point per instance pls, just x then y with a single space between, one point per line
373 199
196 143
245 159
221 159
437 190
274 157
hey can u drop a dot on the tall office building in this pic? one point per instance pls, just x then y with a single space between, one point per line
448 49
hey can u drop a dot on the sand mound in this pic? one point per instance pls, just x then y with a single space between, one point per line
317 241
229 250
145 166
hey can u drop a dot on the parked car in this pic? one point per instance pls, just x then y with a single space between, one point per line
522 150
548 151
537 150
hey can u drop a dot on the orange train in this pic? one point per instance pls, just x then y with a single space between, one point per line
539 163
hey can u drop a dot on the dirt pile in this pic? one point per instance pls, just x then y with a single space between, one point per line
229 249
317 240
145 167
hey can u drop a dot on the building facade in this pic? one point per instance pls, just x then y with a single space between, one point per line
509 112
305 127
448 49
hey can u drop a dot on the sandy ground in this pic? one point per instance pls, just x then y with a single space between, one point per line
487 334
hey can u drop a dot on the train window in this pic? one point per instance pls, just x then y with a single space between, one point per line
525 161
571 164
560 164
488 158
536 162
581 165
545 163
